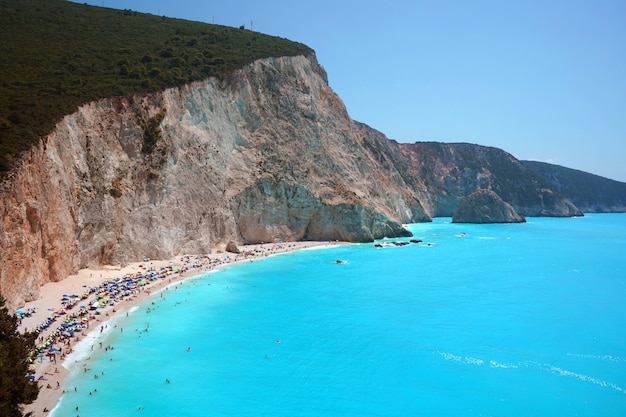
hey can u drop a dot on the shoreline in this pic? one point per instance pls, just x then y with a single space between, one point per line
52 370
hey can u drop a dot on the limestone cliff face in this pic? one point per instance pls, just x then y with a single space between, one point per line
269 154
485 206
443 174
590 193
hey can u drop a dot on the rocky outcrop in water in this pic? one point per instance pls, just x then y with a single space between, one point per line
485 206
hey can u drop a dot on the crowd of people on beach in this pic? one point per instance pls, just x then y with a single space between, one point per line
78 311
67 324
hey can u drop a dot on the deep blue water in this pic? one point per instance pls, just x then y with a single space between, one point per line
478 320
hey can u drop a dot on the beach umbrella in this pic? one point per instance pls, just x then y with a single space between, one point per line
20 312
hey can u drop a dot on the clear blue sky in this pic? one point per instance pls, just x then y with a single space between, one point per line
543 80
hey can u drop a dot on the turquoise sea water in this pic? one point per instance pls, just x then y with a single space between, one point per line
478 320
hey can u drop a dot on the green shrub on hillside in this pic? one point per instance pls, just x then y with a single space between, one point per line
151 131
57 55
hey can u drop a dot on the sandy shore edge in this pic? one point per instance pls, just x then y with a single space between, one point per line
52 372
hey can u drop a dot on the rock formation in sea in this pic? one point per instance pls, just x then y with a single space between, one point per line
485 206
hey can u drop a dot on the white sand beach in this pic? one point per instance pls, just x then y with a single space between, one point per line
71 300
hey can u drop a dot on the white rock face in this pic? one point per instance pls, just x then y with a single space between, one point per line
269 154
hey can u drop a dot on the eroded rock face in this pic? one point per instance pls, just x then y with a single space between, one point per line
485 206
269 154
590 193
449 172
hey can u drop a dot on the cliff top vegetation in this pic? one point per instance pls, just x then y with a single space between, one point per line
57 55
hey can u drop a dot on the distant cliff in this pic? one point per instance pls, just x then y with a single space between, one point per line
590 193
443 174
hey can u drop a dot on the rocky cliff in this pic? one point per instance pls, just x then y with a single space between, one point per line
268 154
590 193
485 206
443 174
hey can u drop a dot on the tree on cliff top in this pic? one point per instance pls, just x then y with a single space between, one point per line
15 388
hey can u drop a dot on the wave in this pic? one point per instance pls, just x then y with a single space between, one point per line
555 370
495 364
134 308
475 361
82 350
564 372
463 359
606 358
